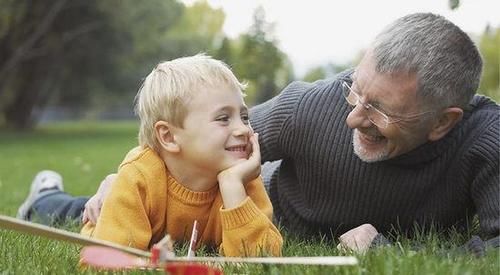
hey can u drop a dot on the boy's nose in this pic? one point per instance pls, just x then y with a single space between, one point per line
242 129
358 118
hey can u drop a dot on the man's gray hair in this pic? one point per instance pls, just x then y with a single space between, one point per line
445 60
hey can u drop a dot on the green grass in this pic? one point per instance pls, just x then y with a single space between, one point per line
85 152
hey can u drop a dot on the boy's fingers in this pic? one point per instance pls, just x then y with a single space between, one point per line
251 129
256 150
254 139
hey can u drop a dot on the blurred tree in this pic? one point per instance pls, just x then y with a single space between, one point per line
225 52
329 70
198 30
314 74
489 46
66 51
257 59
24 23
333 69
453 4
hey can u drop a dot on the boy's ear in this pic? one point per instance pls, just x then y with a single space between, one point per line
447 120
165 137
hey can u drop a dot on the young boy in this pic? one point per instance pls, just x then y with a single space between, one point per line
198 159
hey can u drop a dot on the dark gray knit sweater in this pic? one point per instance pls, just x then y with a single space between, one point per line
323 187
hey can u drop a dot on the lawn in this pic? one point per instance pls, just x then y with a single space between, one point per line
84 152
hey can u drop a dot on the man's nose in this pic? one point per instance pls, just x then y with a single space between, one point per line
358 117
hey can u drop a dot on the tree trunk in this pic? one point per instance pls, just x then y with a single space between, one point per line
18 112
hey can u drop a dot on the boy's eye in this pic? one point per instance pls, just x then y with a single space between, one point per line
245 118
223 118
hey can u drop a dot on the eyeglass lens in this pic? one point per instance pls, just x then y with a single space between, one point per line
375 116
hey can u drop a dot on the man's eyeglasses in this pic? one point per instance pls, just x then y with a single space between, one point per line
377 117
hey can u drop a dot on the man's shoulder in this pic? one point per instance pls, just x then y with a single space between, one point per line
482 112
483 103
479 131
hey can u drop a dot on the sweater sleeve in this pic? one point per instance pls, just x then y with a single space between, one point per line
270 119
124 218
247 230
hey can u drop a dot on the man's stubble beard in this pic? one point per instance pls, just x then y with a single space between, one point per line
365 155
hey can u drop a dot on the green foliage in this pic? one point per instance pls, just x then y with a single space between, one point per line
198 30
314 74
200 19
225 52
257 60
82 54
85 152
69 52
90 54
326 71
453 4
82 152
489 46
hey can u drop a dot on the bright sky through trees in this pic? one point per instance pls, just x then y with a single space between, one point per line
315 32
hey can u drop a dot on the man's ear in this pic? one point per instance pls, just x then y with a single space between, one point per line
446 121
165 137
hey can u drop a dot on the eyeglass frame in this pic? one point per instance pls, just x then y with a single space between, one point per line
367 106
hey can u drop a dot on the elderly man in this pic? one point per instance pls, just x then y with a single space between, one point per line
400 143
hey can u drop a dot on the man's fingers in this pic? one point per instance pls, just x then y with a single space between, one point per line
91 211
360 238
92 208
85 218
94 212
341 247
85 215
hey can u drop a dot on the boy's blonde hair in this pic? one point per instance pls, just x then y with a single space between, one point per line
167 89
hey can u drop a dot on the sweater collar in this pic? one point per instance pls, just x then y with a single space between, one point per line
186 195
424 153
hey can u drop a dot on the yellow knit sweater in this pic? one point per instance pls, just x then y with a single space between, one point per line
146 202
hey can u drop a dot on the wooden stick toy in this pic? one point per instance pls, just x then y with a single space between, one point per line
108 255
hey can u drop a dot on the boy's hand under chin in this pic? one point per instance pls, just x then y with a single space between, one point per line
232 180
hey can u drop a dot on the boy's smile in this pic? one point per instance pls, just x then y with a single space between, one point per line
239 151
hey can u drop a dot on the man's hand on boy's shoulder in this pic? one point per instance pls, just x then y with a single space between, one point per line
94 204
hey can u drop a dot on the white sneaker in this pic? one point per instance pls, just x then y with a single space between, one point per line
44 180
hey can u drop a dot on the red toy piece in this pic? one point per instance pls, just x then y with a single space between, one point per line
111 259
